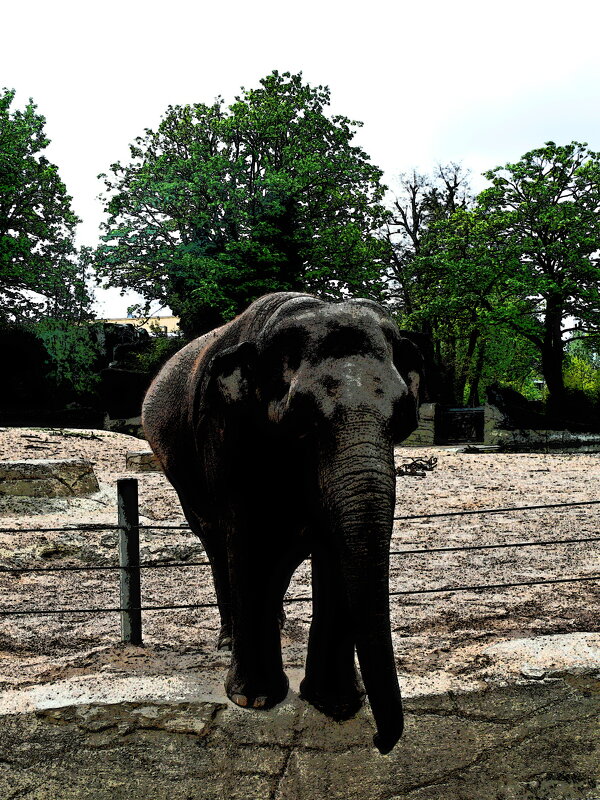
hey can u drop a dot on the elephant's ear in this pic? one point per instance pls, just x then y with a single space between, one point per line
410 363
228 382
232 373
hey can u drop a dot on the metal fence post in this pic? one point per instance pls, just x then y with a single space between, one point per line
129 561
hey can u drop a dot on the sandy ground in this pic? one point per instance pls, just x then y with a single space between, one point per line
445 634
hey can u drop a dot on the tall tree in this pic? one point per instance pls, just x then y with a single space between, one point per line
424 201
40 276
220 205
426 290
471 305
545 214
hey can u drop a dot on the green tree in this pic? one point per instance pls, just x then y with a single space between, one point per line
427 285
221 205
582 368
522 260
37 254
424 202
543 233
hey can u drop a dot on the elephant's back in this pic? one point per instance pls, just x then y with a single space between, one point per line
168 411
167 405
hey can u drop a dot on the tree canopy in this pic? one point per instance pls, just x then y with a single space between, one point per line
542 225
220 205
37 224
426 284
521 259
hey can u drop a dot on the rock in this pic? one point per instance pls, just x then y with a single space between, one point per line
71 477
424 435
533 673
130 426
528 742
142 461
545 656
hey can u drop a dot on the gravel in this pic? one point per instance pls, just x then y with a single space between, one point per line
435 633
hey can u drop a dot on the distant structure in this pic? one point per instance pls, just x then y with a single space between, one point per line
162 325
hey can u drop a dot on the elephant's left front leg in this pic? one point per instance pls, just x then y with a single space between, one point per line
256 678
331 683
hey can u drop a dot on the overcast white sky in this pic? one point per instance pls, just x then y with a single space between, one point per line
433 81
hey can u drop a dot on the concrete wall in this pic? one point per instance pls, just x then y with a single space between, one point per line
522 439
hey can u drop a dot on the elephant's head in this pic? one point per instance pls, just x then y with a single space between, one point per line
340 378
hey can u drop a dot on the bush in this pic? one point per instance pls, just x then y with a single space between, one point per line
71 354
581 374
159 350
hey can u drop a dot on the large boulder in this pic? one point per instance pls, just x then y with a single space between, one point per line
574 411
71 477
142 461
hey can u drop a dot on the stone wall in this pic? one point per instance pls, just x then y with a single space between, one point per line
527 740
425 434
142 461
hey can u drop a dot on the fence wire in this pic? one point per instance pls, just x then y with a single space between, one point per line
415 551
16 570
438 590
186 527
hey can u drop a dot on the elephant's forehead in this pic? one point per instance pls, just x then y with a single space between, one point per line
331 332
336 317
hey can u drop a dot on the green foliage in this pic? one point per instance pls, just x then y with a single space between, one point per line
429 284
71 353
582 367
521 260
36 225
512 361
160 349
580 374
544 212
220 205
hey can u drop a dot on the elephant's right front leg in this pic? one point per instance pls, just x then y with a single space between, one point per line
256 678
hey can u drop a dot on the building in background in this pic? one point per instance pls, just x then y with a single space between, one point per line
163 326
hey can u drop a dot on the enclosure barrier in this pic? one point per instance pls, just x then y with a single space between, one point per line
128 527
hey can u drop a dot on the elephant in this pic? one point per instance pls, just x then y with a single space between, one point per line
277 432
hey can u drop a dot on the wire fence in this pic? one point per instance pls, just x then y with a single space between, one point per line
129 567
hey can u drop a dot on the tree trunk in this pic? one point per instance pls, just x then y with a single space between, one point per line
465 370
552 354
474 400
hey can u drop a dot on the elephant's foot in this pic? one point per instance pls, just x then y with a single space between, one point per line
224 640
339 703
255 694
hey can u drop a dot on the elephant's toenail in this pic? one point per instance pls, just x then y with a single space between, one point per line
260 702
239 700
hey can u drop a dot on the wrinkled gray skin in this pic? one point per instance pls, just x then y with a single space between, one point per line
277 432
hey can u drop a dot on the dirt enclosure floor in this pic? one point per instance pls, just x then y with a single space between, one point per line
538 646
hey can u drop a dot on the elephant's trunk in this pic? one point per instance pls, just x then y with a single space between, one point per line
358 484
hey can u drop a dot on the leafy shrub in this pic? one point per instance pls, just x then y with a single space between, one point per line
159 350
71 353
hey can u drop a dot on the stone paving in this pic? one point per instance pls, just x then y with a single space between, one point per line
535 741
